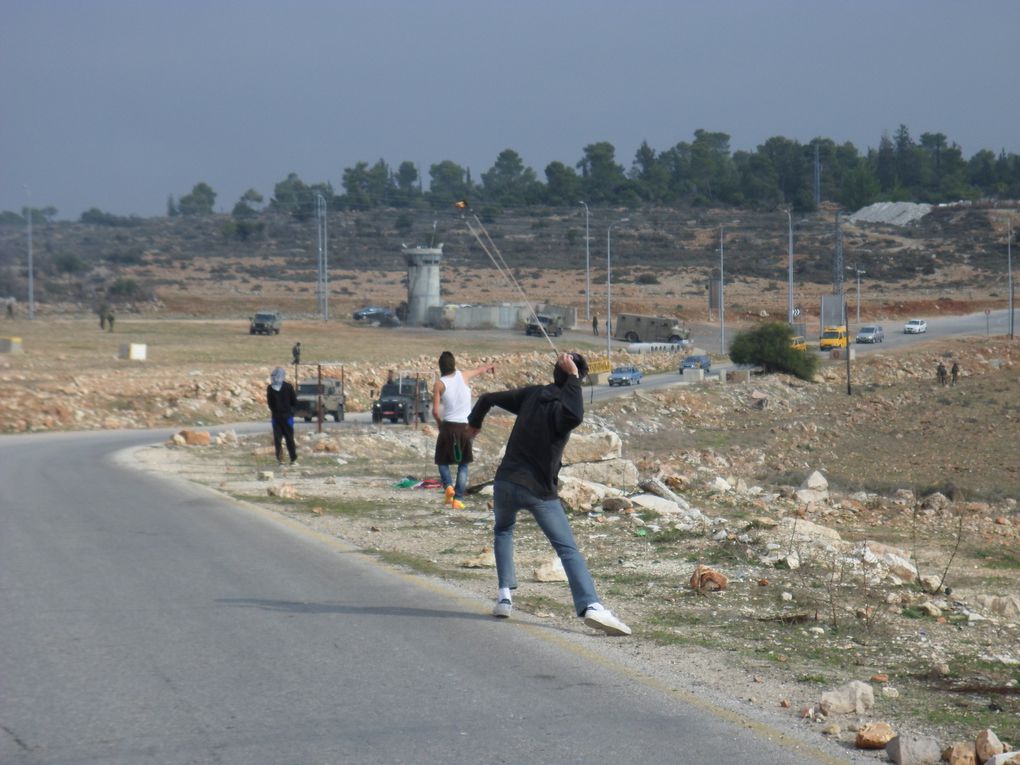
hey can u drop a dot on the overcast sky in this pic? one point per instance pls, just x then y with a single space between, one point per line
118 104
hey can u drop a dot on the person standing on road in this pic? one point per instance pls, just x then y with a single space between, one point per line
940 373
527 479
595 325
955 371
451 396
296 353
281 400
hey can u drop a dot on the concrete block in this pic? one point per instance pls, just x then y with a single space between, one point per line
133 351
694 375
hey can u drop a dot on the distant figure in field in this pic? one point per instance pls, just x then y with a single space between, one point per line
595 325
296 352
941 373
955 371
10 308
109 320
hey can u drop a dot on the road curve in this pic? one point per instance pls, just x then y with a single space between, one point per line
147 621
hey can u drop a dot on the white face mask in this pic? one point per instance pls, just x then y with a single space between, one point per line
276 379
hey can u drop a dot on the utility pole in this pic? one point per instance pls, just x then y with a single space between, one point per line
722 302
789 275
322 288
587 263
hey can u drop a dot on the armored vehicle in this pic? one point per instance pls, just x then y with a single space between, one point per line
265 323
553 325
331 394
402 400
637 328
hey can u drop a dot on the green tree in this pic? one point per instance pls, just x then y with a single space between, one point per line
885 164
294 196
759 183
171 207
649 175
245 205
199 202
860 187
407 182
508 181
711 166
602 179
449 183
768 346
562 186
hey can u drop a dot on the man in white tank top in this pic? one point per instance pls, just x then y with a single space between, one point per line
451 404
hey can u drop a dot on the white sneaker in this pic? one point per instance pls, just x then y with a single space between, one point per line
603 619
502 609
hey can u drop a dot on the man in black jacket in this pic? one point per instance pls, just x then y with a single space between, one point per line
281 400
527 479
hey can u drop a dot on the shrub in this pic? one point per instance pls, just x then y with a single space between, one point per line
768 346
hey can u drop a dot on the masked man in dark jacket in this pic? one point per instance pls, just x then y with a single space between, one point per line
527 479
281 400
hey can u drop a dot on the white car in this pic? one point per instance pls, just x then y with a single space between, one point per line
915 327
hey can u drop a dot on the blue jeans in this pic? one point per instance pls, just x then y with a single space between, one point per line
508 499
462 478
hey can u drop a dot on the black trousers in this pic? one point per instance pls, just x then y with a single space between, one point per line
284 429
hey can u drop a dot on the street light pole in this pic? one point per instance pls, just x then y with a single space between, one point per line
722 301
323 289
31 271
587 262
789 275
1009 269
858 271
609 288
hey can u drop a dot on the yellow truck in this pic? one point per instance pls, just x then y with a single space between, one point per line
833 337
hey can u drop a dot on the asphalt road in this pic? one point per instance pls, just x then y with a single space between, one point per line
146 621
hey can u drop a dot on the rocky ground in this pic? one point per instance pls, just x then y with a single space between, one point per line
773 540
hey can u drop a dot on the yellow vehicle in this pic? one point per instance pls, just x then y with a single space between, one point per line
833 337
798 343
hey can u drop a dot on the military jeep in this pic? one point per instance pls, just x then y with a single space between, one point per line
265 323
402 400
331 394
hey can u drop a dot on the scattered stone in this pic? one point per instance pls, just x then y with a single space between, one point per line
881 677
616 504
930 609
874 735
550 571
1006 758
960 753
832 729
485 559
784 703
763 582
1006 606
855 696
890 693
987 745
705 579
914 750
265 475
195 437
284 490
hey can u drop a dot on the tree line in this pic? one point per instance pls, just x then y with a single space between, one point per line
781 172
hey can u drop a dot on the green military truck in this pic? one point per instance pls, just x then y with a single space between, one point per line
265 323
402 400
327 397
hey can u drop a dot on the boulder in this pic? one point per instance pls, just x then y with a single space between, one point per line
874 735
1006 606
1006 758
195 437
660 489
806 531
619 473
987 745
550 571
485 559
960 753
657 504
816 482
855 696
705 579
914 750
617 504
592 447
935 501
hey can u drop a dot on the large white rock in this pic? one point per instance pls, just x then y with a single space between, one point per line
619 473
657 504
1006 606
815 481
855 696
592 447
